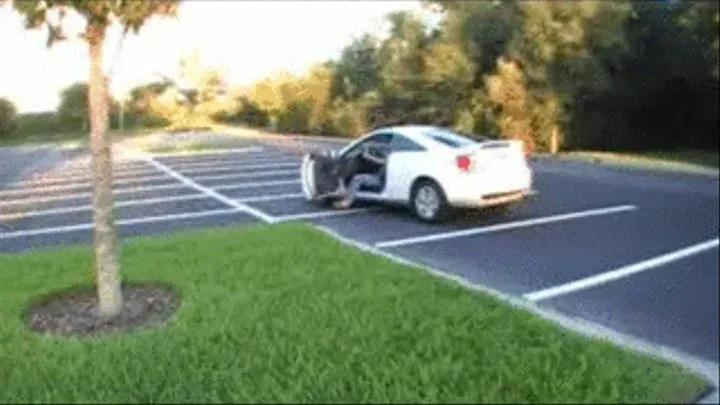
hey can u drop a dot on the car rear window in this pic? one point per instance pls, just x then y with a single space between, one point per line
451 139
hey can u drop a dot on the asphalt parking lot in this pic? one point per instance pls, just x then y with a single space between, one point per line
634 251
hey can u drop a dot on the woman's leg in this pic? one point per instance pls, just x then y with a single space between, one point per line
355 183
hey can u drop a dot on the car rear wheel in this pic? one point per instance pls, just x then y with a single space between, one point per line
428 202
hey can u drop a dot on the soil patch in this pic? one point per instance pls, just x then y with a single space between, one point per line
75 312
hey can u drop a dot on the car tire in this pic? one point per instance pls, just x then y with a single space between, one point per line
435 208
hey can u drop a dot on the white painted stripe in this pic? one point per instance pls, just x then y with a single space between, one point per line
257 184
247 149
149 188
606 277
237 167
323 214
89 194
205 190
78 186
506 226
246 175
144 220
216 162
60 178
79 170
87 167
81 208
271 197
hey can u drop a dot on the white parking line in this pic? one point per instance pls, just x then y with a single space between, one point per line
85 176
210 163
144 220
46 199
257 184
247 149
271 197
205 190
323 214
79 170
506 226
89 194
78 186
81 208
237 167
246 175
606 277
62 178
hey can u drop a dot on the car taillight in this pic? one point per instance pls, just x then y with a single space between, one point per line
463 163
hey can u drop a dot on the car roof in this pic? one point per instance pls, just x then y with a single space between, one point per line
414 132
417 133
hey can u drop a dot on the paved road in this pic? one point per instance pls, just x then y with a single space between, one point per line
599 243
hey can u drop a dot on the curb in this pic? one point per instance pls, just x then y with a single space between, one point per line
706 369
700 172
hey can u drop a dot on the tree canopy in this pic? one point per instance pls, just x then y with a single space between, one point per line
599 74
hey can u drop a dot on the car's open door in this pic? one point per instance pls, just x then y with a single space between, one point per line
317 176
307 177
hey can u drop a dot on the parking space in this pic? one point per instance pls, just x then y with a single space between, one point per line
571 229
676 304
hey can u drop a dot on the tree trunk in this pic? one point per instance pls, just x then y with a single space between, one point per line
554 141
106 243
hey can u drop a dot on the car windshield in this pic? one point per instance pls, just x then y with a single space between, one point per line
451 138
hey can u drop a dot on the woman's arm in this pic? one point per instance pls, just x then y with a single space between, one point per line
367 155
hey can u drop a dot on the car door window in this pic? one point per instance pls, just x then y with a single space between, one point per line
401 143
382 138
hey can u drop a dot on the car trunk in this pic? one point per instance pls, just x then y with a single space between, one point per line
491 156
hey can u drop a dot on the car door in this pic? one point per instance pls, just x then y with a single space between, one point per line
402 166
316 175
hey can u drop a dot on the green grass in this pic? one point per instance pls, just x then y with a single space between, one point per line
689 161
74 138
65 139
285 313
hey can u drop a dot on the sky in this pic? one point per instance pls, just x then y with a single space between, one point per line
247 40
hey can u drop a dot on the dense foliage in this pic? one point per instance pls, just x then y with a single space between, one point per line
597 74
604 75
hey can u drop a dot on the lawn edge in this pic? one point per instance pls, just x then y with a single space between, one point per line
700 367
637 167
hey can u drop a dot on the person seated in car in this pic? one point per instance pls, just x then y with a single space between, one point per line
372 166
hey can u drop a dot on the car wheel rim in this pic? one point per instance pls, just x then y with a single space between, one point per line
427 202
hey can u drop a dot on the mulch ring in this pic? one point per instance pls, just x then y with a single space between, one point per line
75 312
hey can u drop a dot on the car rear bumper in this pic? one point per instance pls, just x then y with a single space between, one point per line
491 200
490 192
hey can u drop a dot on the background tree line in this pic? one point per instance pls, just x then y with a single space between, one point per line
602 75
605 75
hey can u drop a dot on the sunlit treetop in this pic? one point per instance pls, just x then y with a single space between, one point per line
98 14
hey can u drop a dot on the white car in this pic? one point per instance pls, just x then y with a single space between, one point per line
428 169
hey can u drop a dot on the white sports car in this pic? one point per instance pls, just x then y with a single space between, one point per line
429 169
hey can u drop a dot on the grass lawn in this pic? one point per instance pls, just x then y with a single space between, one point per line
59 138
285 313
68 139
680 161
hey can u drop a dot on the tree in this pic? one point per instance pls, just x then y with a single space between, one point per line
74 107
508 94
142 105
98 16
8 114
356 71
